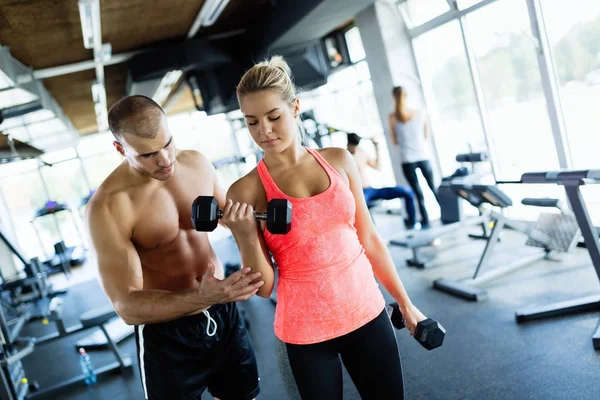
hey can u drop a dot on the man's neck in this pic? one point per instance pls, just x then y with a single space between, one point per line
352 149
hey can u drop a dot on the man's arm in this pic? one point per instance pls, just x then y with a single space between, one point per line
121 277
374 162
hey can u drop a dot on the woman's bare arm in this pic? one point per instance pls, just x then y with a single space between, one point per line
238 215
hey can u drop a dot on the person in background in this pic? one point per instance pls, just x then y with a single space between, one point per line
363 162
409 130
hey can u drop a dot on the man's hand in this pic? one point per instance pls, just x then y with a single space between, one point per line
237 287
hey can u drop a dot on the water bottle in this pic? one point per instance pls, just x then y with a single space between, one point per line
87 368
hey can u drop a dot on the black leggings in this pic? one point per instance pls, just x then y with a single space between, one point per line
410 172
370 355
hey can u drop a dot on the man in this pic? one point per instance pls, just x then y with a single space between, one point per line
160 274
364 160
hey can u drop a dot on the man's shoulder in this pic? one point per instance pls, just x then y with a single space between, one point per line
192 158
107 199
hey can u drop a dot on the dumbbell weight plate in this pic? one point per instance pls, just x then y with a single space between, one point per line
205 213
279 216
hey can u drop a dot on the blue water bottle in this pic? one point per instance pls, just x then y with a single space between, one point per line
87 368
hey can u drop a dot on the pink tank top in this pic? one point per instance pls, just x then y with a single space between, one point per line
326 285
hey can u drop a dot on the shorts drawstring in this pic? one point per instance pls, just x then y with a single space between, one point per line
210 320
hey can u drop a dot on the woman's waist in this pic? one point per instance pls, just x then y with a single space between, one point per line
330 287
318 266
320 253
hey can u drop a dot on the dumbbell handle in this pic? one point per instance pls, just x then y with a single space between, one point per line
257 215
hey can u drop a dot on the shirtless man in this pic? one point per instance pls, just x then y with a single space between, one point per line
364 160
161 275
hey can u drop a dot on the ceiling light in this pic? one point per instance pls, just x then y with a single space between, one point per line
89 13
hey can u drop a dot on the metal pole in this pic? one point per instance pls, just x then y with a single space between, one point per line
549 83
479 97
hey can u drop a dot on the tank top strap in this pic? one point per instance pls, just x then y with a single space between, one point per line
269 184
331 171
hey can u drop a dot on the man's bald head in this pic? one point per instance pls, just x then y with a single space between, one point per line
135 115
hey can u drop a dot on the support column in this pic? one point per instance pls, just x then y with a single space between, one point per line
391 63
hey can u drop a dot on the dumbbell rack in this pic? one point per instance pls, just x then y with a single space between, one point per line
12 350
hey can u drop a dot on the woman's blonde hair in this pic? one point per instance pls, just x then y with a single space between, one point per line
272 74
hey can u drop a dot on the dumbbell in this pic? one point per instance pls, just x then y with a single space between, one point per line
206 214
429 332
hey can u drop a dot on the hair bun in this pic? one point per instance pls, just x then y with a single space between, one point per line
279 63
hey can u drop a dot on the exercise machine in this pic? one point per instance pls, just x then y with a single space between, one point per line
417 240
32 288
552 232
36 293
13 348
450 203
571 180
452 218
64 257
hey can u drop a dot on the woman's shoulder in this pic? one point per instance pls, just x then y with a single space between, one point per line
246 188
338 157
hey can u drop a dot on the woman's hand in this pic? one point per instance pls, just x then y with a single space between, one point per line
412 316
239 218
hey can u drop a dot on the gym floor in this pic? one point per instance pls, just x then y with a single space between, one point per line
485 354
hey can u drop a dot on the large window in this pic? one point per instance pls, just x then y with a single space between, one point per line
99 158
447 83
519 123
24 194
420 11
504 48
574 36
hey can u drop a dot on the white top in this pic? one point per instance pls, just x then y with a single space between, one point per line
411 139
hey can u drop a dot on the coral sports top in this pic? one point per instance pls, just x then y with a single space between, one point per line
326 285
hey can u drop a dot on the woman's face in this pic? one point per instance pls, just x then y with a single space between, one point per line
271 120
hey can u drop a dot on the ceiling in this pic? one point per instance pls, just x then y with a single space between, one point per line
46 36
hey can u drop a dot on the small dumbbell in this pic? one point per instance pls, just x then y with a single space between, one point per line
206 214
429 332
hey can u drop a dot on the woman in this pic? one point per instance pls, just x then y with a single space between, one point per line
410 130
328 301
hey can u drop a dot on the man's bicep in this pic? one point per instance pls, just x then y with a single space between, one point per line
119 264
120 271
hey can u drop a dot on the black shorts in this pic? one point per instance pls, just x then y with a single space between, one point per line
179 359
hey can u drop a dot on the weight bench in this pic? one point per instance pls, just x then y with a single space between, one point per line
96 318
417 240
551 232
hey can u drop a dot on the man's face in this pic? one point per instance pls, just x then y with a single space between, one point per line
151 157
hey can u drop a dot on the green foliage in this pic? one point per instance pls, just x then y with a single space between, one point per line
509 71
